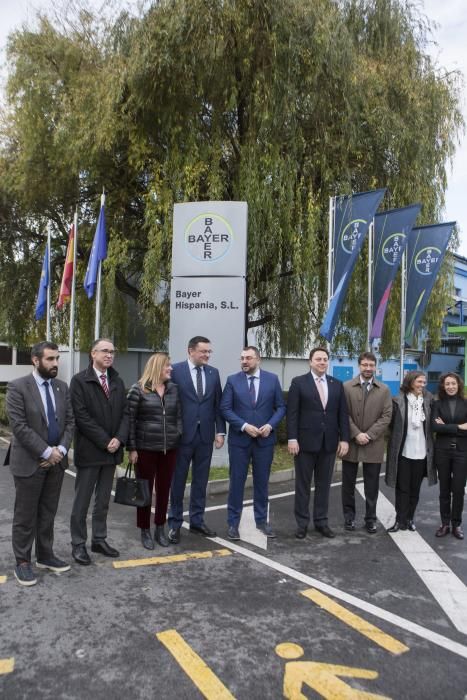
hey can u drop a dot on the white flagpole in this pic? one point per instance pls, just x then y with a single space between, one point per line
403 312
332 209
98 292
371 234
71 340
49 237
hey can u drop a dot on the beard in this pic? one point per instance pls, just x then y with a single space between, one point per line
46 373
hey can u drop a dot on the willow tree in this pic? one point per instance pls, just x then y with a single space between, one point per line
281 103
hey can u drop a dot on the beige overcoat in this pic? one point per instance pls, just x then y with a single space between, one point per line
371 416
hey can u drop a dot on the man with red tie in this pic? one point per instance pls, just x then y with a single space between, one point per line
317 429
99 403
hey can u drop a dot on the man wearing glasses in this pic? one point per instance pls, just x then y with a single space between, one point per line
200 392
99 403
370 409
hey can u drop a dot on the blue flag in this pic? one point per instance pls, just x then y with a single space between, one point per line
353 215
98 253
41 303
392 229
426 249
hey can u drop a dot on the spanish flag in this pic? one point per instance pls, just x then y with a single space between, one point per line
67 278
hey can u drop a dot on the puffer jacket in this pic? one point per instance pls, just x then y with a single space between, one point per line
155 423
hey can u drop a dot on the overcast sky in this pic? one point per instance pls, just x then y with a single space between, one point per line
451 52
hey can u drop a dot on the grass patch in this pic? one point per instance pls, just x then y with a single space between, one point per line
282 460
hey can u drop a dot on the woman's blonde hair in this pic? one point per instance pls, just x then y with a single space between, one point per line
152 374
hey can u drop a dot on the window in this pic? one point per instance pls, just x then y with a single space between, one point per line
433 376
23 356
6 355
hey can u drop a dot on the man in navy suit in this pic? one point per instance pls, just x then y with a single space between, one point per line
317 428
253 405
200 392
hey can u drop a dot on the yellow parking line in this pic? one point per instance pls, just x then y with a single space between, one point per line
204 679
6 666
2 579
172 559
358 623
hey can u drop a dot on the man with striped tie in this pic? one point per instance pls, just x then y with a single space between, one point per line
101 428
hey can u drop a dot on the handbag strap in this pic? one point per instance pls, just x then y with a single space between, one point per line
129 467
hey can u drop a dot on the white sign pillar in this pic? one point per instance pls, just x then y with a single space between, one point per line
208 283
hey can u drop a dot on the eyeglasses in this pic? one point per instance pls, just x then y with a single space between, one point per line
106 351
204 352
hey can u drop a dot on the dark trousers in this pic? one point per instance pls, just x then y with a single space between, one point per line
371 472
410 473
89 480
321 464
158 469
36 504
451 465
199 454
239 459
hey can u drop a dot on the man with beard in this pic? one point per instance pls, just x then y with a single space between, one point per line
41 420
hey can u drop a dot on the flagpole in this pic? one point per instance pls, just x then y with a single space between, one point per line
403 313
371 234
332 210
47 325
98 292
71 340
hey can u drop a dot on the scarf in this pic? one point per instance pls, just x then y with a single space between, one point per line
418 414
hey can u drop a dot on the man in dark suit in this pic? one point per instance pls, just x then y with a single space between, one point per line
102 423
200 391
41 420
253 404
317 428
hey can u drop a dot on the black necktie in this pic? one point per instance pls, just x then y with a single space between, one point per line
252 391
53 432
199 384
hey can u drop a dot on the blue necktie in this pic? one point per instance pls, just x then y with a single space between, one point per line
252 391
53 432
199 384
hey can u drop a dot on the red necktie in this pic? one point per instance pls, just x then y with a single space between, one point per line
105 386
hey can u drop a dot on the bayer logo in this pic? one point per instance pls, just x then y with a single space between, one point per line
208 237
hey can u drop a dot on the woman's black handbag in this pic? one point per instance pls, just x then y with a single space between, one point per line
131 491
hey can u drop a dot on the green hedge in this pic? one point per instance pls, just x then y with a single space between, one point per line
3 416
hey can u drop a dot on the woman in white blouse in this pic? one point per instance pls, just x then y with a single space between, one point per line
410 448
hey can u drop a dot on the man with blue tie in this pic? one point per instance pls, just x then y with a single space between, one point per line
41 419
254 406
200 392
317 429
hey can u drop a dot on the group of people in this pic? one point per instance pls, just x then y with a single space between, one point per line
173 416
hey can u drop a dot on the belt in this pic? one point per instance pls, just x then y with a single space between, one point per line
453 446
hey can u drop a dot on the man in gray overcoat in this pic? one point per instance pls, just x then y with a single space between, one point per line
41 420
370 407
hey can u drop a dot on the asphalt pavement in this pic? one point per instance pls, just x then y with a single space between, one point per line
342 618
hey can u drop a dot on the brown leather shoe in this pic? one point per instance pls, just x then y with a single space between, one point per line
442 531
457 532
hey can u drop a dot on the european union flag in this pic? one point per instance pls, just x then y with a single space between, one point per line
41 303
98 253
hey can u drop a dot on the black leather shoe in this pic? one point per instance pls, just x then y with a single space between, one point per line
325 530
267 530
442 531
411 526
160 536
174 535
105 549
233 533
203 530
146 539
457 532
80 554
349 525
371 527
300 533
396 527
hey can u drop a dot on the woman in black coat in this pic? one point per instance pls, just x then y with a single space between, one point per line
449 422
155 430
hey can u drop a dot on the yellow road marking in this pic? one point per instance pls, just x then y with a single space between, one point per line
358 623
2 579
204 679
6 665
173 559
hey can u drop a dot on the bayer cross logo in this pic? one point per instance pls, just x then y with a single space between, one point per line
208 237
393 247
351 234
426 260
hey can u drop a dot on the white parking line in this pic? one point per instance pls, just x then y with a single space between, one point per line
443 584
